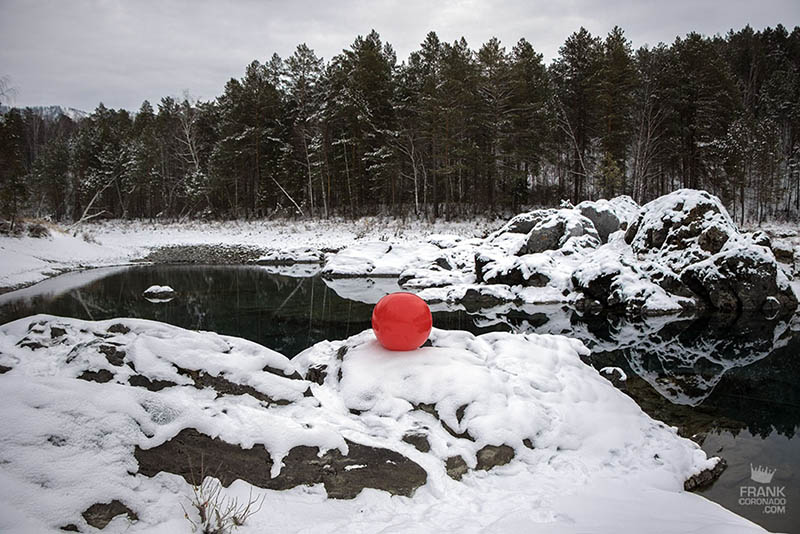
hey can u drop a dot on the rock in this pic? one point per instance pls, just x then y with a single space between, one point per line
784 251
545 237
159 293
681 228
492 456
712 239
102 376
99 515
740 280
293 256
762 239
524 222
555 228
706 477
456 467
476 298
605 221
418 440
343 476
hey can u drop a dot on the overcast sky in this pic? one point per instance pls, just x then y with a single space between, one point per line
78 53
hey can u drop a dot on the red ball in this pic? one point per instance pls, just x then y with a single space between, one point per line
402 321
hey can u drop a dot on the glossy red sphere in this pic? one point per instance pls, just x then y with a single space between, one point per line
402 321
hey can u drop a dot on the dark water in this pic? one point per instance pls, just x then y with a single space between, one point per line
733 385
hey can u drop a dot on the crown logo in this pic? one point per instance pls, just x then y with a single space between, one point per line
761 474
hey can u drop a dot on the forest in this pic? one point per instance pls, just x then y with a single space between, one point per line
449 132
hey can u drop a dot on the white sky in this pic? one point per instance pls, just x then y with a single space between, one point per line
78 53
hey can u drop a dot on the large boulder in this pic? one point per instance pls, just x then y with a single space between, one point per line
681 228
560 229
603 218
742 280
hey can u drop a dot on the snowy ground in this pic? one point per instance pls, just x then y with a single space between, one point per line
28 260
593 461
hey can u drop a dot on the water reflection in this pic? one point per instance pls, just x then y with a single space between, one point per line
731 384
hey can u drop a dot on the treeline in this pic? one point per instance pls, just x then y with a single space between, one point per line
449 132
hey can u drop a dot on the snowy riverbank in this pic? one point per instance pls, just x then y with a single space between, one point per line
27 260
471 434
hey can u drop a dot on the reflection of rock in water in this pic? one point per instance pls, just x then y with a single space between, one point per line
683 359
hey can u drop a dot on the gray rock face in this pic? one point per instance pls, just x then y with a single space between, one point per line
343 476
739 281
604 220
554 228
682 227
100 515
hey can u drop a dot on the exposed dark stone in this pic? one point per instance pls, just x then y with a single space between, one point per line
712 239
597 288
224 386
474 300
783 251
317 374
102 376
113 355
4 369
481 262
706 477
528 443
56 441
150 385
70 528
30 344
456 467
544 238
604 220
56 331
418 440
442 262
427 408
185 454
512 277
118 328
671 283
630 233
492 456
206 254
739 282
762 239
99 515
294 375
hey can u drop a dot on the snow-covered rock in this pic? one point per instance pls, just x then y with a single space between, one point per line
129 410
378 258
680 252
291 256
159 293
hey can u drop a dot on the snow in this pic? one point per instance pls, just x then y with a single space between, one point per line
597 463
154 290
379 258
27 260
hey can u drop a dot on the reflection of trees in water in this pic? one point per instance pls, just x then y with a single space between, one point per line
284 313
